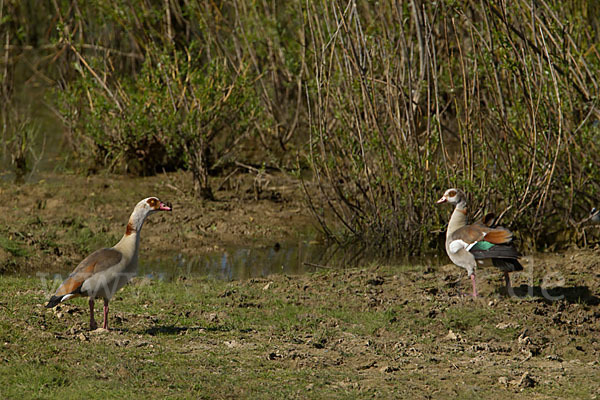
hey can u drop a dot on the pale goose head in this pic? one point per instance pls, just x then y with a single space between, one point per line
145 207
153 204
453 196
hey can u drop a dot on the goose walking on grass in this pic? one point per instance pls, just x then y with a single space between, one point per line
105 271
478 244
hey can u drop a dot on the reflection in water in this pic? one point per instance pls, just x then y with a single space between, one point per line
233 263
32 142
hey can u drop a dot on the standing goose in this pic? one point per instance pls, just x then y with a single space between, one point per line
107 270
469 245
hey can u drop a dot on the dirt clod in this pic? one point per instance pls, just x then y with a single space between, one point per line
82 337
526 381
452 335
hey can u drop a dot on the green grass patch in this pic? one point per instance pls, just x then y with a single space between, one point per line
326 335
13 246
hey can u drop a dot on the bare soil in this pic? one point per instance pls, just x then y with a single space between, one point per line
377 331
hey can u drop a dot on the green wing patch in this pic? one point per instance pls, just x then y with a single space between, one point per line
482 245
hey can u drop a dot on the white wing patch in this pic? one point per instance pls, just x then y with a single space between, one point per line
67 297
456 245
469 247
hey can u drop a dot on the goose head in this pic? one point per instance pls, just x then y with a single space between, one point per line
453 196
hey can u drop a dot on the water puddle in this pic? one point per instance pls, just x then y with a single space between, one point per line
238 263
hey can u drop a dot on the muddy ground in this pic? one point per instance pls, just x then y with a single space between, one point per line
50 224
376 331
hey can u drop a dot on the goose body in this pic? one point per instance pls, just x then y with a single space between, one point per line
105 271
480 243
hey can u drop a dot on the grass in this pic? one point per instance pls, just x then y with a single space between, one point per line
330 334
13 246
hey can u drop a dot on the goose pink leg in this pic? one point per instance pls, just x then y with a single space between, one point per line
105 324
473 282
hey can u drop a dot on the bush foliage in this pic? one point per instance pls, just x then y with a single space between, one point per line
387 104
497 99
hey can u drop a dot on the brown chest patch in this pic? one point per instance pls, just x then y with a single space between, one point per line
130 229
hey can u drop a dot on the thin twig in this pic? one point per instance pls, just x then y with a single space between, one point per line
316 265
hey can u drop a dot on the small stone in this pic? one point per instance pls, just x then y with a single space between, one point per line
82 337
524 339
452 336
528 354
213 317
526 381
368 365
503 381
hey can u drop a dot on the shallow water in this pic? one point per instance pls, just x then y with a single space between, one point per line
241 263
234 263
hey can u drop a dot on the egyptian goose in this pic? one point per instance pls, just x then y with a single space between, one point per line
479 243
107 270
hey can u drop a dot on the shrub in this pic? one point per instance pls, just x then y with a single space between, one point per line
178 113
409 100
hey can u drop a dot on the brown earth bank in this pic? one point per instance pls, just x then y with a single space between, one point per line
50 225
